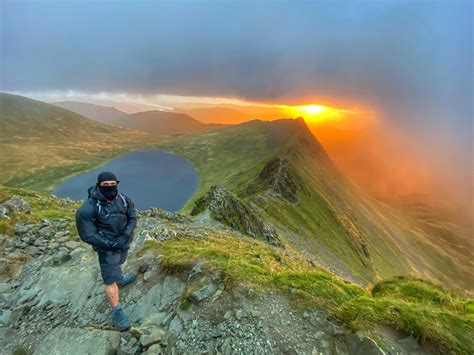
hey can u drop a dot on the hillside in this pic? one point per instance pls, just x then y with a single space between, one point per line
202 287
164 122
280 169
21 117
42 144
104 114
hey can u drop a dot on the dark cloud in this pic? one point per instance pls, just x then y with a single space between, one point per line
409 60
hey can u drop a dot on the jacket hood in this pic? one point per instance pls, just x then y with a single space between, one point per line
94 192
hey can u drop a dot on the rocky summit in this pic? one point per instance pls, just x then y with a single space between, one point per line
53 302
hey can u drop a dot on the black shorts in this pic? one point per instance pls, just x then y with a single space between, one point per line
110 262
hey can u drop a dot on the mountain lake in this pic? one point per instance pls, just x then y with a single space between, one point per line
149 178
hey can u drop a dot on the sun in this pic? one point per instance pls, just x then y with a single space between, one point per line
313 109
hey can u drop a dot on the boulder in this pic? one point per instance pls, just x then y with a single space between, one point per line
17 204
203 293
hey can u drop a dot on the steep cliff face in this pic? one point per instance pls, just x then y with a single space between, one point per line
279 177
227 208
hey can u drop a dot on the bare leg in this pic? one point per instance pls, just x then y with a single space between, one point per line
112 294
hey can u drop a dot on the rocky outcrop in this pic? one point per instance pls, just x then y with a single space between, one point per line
227 208
14 204
278 176
71 341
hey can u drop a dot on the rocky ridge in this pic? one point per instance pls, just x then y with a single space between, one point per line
52 300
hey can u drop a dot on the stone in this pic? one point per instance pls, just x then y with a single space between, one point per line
145 263
32 250
46 232
155 335
409 343
158 319
148 304
362 345
128 347
171 339
239 314
22 228
203 293
61 258
18 312
147 275
5 288
136 332
5 318
3 212
155 349
72 341
28 295
173 288
72 244
77 253
196 270
175 326
228 314
17 204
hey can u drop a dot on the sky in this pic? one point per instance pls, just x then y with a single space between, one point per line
409 60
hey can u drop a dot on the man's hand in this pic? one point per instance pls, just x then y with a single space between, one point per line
121 241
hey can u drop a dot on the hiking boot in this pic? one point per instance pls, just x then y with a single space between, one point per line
120 320
126 279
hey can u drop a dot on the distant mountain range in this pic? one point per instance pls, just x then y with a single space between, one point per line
164 122
105 114
24 117
152 121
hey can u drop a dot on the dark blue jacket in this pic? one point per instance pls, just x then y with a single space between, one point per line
101 228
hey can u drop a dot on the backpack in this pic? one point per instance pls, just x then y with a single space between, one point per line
99 206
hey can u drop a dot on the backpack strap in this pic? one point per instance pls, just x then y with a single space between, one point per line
98 209
99 205
124 201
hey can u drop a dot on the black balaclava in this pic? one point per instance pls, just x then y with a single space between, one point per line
109 192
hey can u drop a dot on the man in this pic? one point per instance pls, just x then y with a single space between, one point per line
107 220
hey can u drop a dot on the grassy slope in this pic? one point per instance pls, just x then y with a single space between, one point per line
42 144
429 312
335 220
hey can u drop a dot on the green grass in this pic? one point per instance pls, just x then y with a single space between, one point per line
427 311
43 205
